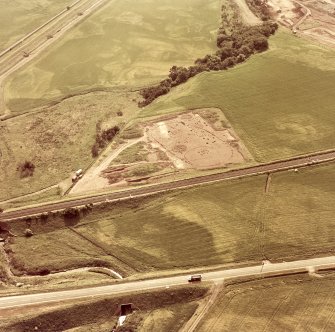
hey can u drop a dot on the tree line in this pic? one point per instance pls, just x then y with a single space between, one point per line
236 42
102 138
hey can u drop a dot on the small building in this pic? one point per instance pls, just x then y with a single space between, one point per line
126 309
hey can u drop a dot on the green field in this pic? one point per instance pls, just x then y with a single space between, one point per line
21 17
125 43
285 304
229 222
280 102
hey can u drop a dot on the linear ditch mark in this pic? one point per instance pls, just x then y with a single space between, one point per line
124 264
268 182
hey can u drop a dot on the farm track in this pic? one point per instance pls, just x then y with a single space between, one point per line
201 312
302 161
303 19
30 46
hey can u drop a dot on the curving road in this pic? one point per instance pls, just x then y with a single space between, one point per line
281 165
125 287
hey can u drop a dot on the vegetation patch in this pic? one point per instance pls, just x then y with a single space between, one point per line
133 154
26 169
58 140
103 138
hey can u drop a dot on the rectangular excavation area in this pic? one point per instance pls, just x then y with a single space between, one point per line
191 142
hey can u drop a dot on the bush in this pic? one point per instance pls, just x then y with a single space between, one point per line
26 169
71 213
44 271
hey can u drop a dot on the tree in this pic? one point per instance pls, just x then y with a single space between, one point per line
95 150
261 44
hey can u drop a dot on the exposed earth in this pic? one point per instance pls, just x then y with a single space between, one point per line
311 18
185 141
190 142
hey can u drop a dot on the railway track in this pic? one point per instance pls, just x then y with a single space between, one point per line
293 163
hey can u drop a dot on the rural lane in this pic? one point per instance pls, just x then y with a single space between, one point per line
281 165
267 269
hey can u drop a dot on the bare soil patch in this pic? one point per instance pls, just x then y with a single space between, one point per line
197 140
191 142
314 19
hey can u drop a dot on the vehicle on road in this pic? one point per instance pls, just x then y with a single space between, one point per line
195 278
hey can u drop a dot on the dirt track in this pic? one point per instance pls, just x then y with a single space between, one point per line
293 163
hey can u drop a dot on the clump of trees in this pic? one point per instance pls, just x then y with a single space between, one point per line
260 9
236 43
102 138
26 169
71 213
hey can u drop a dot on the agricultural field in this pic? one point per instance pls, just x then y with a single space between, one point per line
283 304
128 43
21 17
279 102
232 221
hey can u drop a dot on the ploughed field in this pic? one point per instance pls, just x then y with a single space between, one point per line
228 222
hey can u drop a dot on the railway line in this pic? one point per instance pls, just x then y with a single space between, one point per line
293 163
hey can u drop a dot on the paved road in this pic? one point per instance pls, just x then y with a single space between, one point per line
179 184
118 287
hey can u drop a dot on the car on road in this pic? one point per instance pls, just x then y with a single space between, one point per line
194 278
